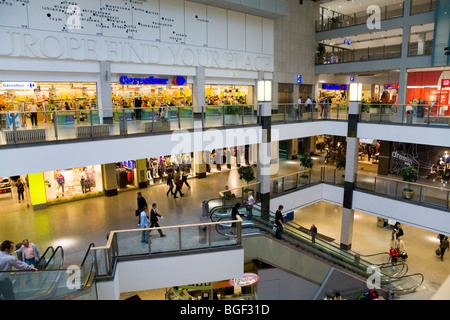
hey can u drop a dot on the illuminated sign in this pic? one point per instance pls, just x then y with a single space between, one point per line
151 80
19 85
392 86
334 87
445 83
247 280
299 79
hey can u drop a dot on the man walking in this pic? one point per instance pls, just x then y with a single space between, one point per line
141 204
313 232
154 219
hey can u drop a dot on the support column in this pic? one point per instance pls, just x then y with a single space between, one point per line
200 164
109 179
104 95
141 165
351 166
403 81
292 149
38 195
198 93
264 159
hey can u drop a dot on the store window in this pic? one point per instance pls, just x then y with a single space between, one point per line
151 95
126 174
48 96
228 95
72 184
159 168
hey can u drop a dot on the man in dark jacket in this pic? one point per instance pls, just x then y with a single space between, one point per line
444 246
154 219
313 232
141 204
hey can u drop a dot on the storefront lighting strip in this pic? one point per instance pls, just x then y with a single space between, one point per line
418 87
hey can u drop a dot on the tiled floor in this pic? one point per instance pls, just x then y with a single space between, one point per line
76 224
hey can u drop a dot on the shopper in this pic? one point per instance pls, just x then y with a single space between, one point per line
393 253
154 219
234 213
29 253
33 113
444 246
20 188
337 296
7 262
145 222
184 179
250 202
313 233
279 222
141 204
170 184
178 184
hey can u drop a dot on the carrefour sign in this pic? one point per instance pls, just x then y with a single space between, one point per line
19 85
151 80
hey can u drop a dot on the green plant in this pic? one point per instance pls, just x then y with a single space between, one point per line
230 109
246 173
409 174
340 163
306 161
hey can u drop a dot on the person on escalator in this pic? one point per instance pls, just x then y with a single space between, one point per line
29 253
7 262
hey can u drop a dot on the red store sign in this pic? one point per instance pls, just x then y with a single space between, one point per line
445 83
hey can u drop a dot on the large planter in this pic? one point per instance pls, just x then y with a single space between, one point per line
408 193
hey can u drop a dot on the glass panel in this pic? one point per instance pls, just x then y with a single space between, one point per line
165 244
130 242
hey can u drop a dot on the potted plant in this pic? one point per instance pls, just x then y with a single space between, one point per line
321 50
409 174
246 173
340 164
232 114
306 162
335 22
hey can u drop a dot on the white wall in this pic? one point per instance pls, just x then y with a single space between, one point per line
412 214
164 272
434 136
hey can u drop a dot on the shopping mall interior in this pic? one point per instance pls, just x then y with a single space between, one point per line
341 117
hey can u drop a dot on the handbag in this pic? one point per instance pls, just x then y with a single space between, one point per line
438 251
137 212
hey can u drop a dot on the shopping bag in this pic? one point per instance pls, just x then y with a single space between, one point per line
438 251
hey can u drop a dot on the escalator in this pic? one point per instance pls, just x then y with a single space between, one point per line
53 281
396 279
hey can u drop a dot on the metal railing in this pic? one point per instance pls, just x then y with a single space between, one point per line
293 112
183 238
419 193
414 113
18 126
329 19
336 54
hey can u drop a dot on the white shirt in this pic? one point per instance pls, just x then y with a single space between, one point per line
250 200
308 101
32 107
145 222
299 101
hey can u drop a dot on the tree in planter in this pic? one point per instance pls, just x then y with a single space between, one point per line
409 174
321 50
306 162
246 173
340 164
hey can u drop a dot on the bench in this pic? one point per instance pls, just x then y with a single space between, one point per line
24 135
97 130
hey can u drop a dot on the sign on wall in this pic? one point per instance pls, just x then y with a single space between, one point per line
158 32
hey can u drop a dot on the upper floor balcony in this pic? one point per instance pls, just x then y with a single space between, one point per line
338 15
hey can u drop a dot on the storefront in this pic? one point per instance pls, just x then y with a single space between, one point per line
159 168
48 96
144 91
73 184
429 87
338 93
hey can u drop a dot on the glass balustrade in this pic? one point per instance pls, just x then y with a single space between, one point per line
413 113
432 196
292 112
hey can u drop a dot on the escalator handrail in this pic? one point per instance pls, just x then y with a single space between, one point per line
91 245
58 248
43 256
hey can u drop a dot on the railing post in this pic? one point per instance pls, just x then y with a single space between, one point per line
203 117
92 123
153 120
55 124
209 236
149 241
374 185
447 204
14 127
179 118
243 110
179 239
223 116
